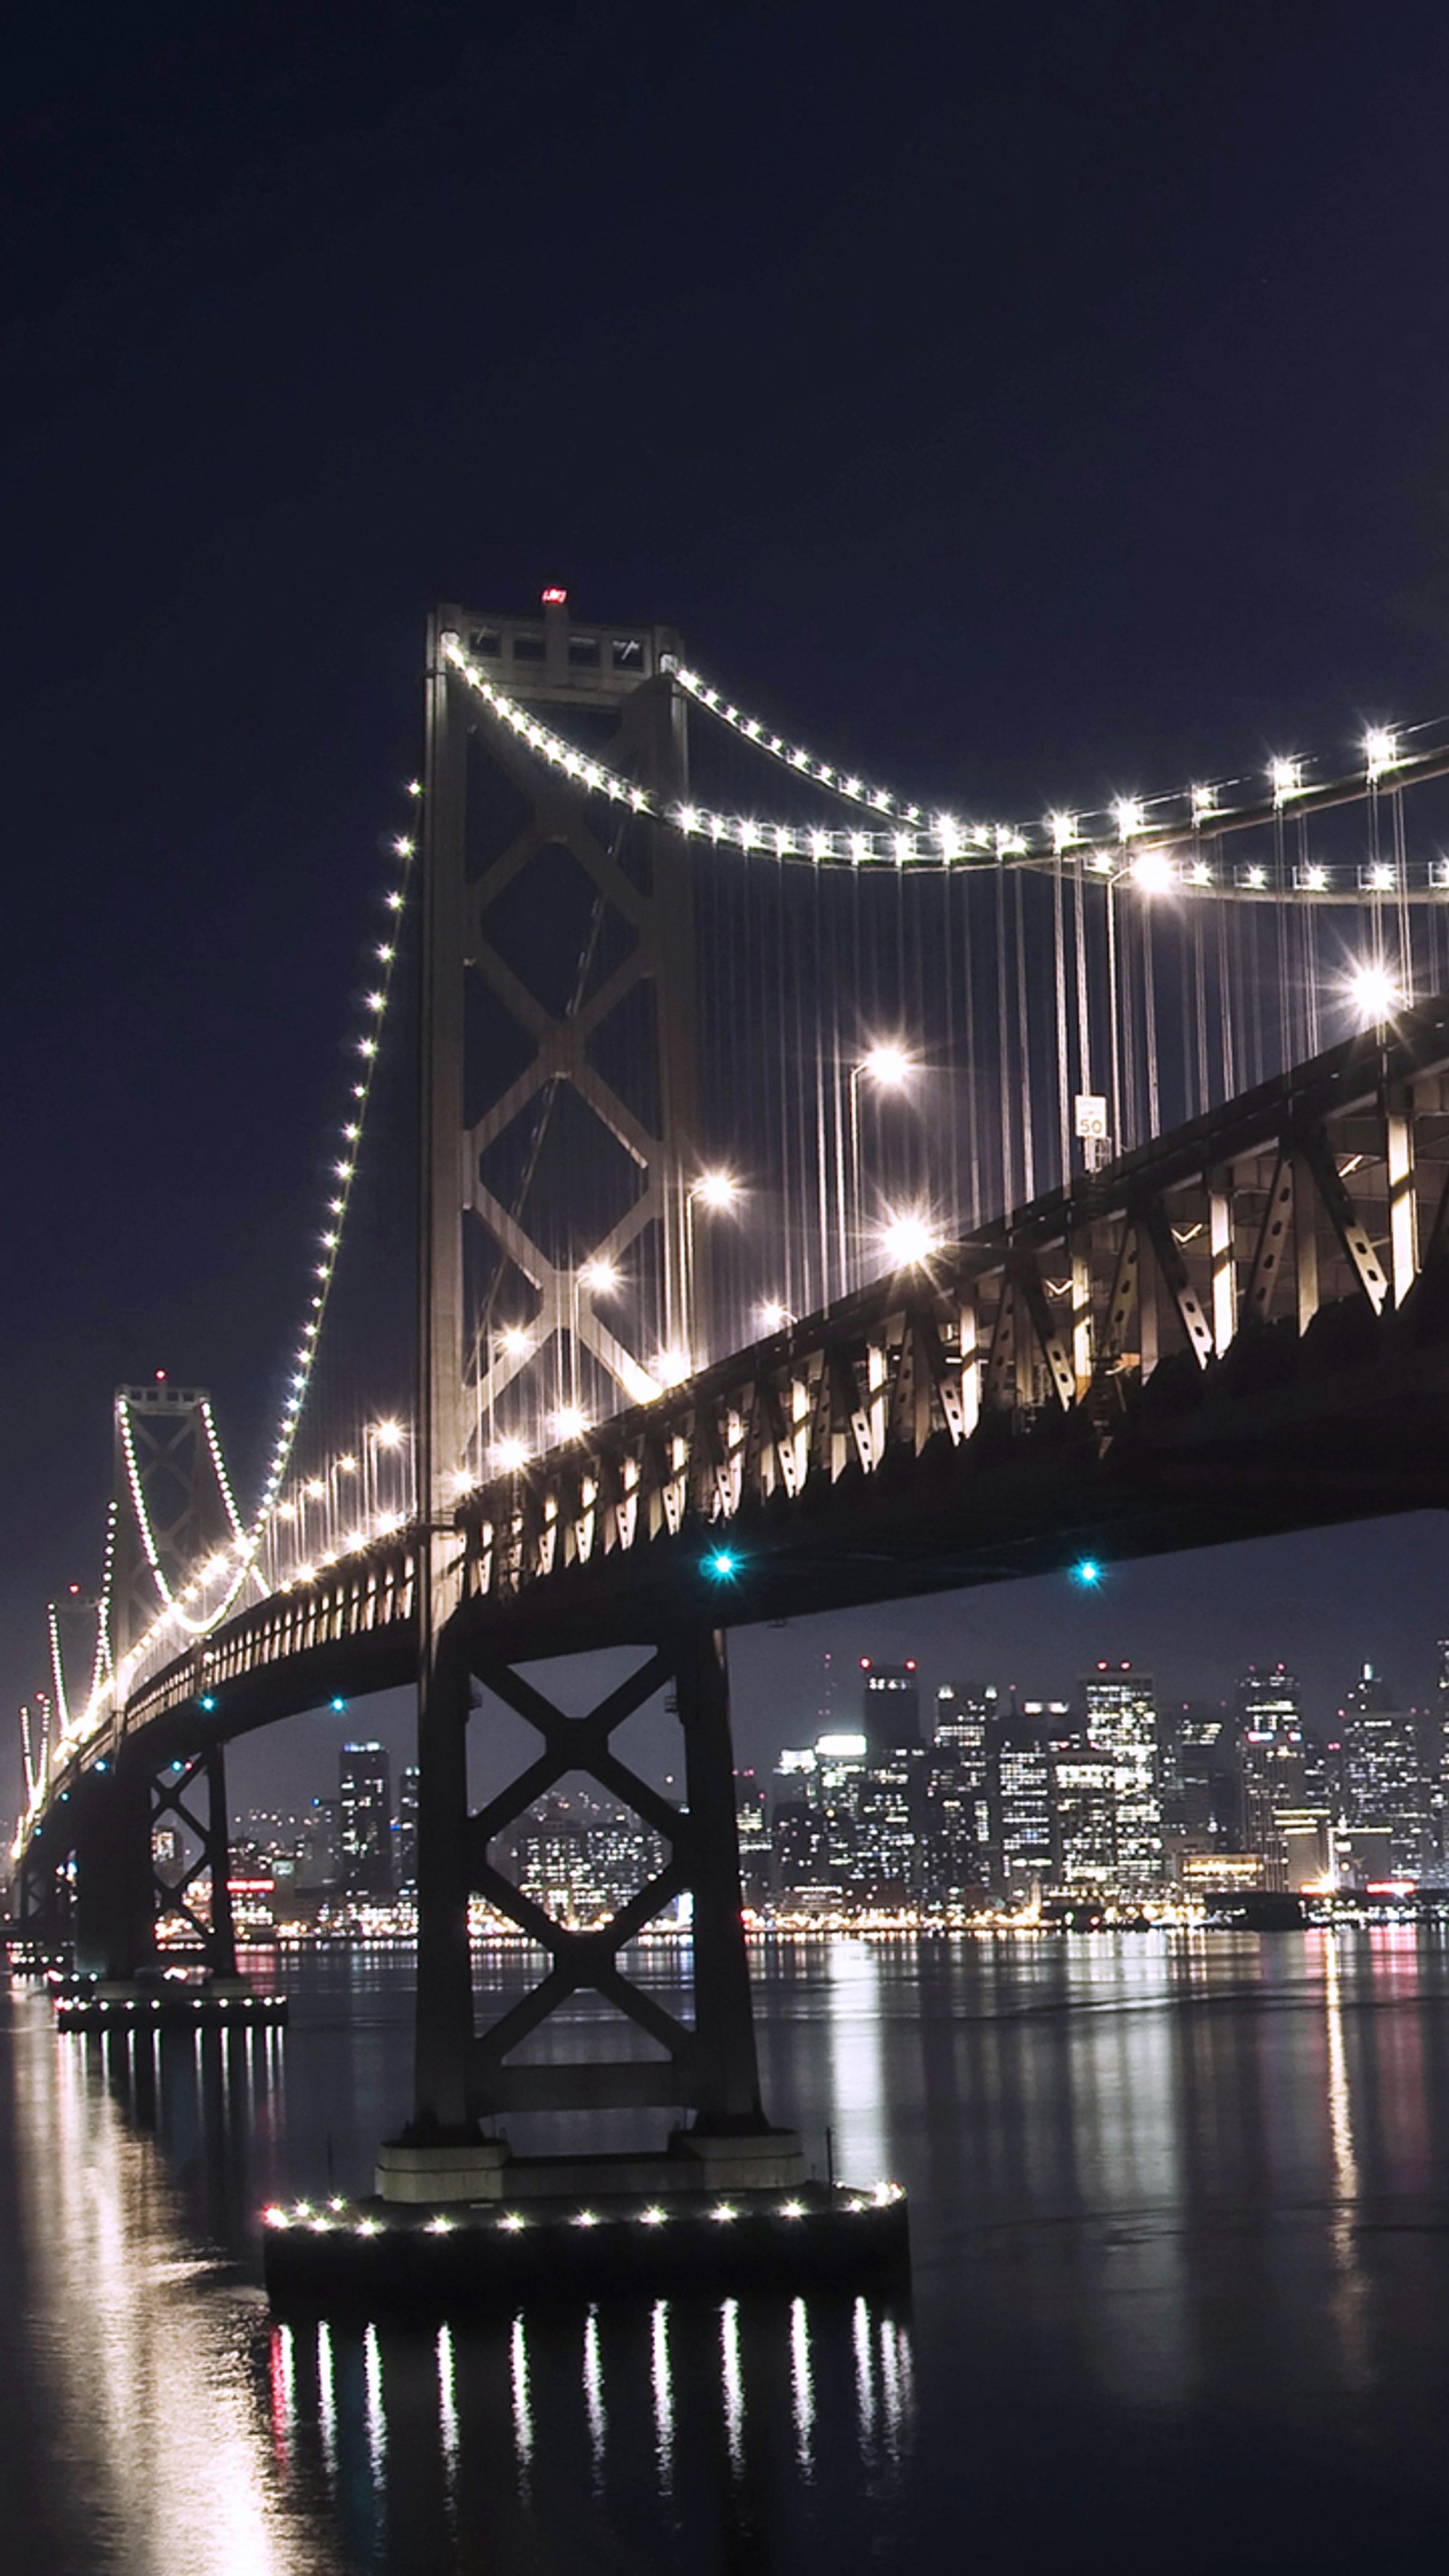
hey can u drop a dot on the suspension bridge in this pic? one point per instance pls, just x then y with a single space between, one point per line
823 1199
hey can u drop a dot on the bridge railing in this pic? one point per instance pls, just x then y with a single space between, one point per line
360 1595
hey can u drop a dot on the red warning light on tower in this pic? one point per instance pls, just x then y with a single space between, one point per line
555 598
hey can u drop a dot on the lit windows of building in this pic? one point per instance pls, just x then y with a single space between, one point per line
1121 1716
1271 1756
1022 1809
1385 1787
959 1795
752 1821
364 1818
407 1828
1084 1797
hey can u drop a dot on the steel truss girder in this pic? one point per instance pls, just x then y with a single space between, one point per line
707 2066
169 1796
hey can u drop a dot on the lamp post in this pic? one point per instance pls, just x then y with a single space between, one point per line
596 1277
888 1066
720 1192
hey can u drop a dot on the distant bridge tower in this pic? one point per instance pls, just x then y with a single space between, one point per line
170 1506
171 1513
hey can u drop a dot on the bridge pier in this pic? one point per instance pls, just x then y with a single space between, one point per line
704 2067
114 1908
171 1798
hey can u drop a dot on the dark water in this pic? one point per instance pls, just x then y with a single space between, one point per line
1181 2291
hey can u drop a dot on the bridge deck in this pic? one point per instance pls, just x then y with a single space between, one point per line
1240 1330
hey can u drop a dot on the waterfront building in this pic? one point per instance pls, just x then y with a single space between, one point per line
407 1828
364 1820
960 1852
1270 1755
1121 1721
890 1821
752 1823
1084 1801
318 1861
1022 1809
1385 1787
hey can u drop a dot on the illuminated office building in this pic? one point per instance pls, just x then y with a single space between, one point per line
1084 1801
364 1820
1121 1721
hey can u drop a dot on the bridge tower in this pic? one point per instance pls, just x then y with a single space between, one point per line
171 1512
557 1069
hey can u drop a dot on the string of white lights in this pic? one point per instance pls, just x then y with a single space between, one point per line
101 1658
1381 751
57 1668
916 839
231 1569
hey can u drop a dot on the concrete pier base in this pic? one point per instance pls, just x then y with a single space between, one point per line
434 2177
375 2257
114 2003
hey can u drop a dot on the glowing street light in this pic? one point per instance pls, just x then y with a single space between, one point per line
515 1342
908 1239
773 1316
570 1421
1087 1572
1374 993
889 1066
1153 872
720 1193
601 1278
509 1455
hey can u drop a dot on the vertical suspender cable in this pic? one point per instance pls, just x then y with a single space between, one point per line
1008 1167
1149 1012
1023 1039
1064 1087
1113 1032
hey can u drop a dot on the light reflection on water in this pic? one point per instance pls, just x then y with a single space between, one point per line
1151 2182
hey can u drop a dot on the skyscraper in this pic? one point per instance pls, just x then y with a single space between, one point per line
891 1705
1121 1714
1022 1808
1385 1788
1271 1755
961 1775
407 1827
364 1801
1084 1797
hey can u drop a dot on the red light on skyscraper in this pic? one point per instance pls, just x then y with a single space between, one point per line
554 598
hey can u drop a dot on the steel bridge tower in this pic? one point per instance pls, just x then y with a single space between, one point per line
490 816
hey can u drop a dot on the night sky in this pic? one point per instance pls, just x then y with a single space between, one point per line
1036 405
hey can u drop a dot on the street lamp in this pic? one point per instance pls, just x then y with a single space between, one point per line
1374 992
720 1192
388 1436
889 1067
908 1239
601 1278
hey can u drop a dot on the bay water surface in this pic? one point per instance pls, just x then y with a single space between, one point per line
1180 2293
